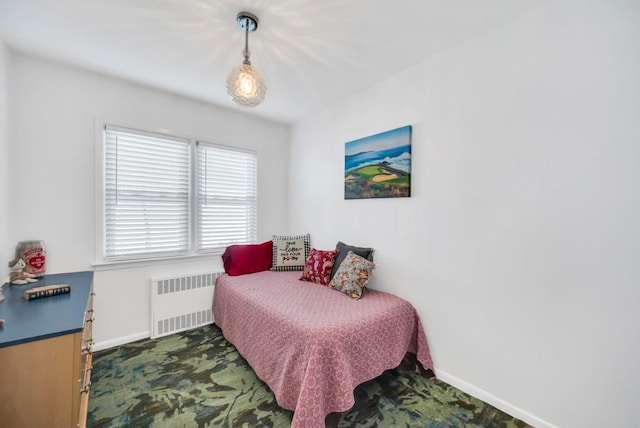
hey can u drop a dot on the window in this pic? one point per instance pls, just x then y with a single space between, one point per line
149 193
227 197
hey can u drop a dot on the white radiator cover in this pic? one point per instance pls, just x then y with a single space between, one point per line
181 303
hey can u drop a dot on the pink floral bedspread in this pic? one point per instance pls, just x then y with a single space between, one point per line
311 344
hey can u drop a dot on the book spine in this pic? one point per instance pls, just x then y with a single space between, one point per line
40 293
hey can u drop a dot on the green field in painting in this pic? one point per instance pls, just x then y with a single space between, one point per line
361 183
369 171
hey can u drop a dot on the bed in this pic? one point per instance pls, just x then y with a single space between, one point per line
312 345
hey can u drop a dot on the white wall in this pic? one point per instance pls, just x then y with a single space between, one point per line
520 241
54 114
6 247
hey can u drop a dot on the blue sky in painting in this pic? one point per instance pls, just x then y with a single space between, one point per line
378 142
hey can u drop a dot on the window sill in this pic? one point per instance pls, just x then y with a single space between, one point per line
130 264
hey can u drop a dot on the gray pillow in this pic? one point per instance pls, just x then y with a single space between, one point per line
343 249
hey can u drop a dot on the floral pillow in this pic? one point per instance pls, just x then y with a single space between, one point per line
318 266
343 249
352 275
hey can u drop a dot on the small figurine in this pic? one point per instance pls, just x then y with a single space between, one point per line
17 276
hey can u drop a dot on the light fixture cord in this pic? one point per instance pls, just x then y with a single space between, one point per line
246 52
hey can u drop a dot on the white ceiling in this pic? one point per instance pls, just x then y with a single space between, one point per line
310 51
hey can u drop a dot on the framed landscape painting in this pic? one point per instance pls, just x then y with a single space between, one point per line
379 166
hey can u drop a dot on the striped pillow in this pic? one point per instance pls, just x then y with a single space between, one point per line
290 252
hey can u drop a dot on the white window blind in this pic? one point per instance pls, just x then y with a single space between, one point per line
146 194
226 197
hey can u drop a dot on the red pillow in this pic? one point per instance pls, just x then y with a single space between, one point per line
249 258
318 266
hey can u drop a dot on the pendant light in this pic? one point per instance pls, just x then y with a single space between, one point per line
245 84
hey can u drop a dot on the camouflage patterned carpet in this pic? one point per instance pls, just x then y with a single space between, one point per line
198 379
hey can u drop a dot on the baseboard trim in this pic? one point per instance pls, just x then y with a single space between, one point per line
493 400
106 344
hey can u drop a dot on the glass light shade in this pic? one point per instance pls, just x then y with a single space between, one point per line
246 85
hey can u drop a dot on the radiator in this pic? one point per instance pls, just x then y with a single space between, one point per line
181 303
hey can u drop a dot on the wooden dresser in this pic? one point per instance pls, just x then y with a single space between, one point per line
45 354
